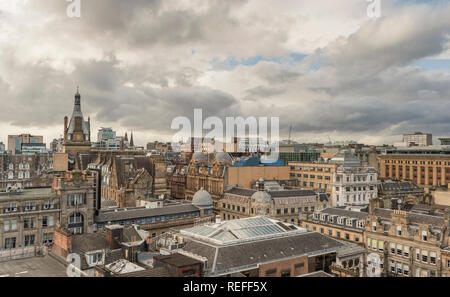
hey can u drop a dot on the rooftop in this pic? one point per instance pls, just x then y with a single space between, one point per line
316 274
33 267
177 260
434 220
29 194
240 230
112 215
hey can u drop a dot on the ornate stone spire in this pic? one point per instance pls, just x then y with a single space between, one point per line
131 140
77 105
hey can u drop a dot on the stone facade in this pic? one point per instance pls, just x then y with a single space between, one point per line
78 200
408 244
28 218
25 171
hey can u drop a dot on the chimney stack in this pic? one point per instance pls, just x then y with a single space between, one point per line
114 236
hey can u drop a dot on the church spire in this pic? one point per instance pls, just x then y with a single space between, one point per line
77 105
131 140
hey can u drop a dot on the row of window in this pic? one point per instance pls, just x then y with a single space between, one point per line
21 166
311 176
20 175
417 162
336 234
356 178
165 218
28 223
28 206
356 197
319 185
402 251
319 169
399 231
28 240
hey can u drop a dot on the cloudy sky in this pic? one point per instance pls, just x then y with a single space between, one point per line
324 67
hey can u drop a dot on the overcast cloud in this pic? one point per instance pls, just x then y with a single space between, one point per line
323 66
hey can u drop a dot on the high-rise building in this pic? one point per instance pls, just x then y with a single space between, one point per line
418 138
15 142
104 134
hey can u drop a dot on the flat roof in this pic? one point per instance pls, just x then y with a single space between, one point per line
142 212
33 267
29 194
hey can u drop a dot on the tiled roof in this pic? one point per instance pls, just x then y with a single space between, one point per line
241 192
89 242
434 220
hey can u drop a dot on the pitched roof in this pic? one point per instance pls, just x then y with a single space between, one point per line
224 259
434 220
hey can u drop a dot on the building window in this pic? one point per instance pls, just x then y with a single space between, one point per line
433 258
95 259
47 238
399 230
76 199
424 235
347 236
425 256
29 223
48 221
406 251
49 205
30 206
285 273
399 249
10 243
392 248
374 226
29 240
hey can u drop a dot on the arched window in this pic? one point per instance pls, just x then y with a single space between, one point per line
20 174
11 166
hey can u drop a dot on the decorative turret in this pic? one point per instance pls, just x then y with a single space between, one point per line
131 140
77 135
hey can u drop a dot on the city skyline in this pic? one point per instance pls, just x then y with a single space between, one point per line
330 70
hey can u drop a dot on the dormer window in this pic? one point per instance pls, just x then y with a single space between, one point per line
424 235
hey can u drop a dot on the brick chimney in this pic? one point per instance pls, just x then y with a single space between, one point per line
114 236
62 242
374 203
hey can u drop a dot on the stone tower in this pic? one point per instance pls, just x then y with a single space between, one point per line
77 132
